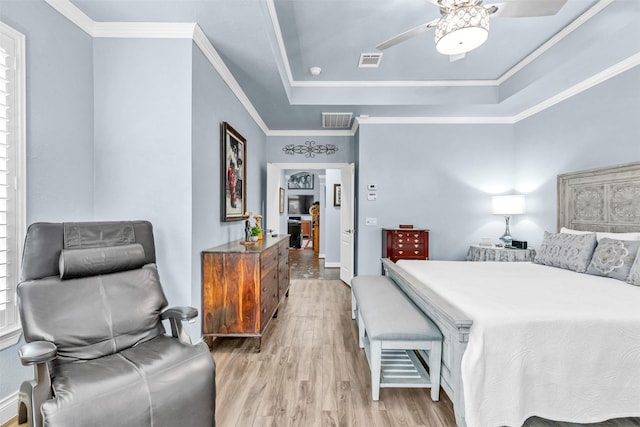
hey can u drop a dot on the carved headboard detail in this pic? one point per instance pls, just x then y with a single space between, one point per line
604 199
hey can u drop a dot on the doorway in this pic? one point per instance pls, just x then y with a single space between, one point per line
333 189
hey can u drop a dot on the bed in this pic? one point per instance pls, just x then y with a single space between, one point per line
524 339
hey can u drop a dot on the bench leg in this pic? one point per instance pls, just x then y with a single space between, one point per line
435 364
361 330
353 305
375 351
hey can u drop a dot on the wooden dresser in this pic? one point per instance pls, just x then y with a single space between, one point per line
405 243
242 287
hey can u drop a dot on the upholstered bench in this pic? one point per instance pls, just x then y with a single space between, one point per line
390 328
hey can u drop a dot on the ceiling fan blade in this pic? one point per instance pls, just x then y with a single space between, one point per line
454 58
422 28
525 8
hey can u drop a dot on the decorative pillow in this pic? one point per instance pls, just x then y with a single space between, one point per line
613 258
568 251
634 273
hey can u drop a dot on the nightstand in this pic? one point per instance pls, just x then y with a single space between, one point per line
492 253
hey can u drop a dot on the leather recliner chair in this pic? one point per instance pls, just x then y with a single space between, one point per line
92 306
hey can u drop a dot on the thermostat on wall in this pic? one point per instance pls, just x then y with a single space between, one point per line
371 187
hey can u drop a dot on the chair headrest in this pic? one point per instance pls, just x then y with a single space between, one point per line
75 263
45 241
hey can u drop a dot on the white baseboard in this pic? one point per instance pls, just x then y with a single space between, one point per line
8 408
322 256
331 264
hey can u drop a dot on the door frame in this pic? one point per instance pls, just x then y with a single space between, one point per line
273 185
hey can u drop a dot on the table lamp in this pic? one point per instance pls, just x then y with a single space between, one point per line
507 206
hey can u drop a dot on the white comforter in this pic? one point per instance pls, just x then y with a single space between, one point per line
544 341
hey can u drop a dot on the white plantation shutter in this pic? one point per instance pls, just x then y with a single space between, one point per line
12 142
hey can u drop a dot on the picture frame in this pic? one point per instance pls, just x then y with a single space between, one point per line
337 194
234 173
300 181
281 200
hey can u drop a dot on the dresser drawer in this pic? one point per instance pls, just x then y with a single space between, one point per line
268 260
268 296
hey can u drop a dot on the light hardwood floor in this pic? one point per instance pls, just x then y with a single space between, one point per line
311 372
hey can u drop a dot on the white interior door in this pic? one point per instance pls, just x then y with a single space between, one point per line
273 198
347 236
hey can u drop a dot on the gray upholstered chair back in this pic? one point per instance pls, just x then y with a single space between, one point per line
45 241
90 288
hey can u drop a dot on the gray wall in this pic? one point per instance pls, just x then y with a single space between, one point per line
143 146
213 103
59 100
439 177
344 154
593 129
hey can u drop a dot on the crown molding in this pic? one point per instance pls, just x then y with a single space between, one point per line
590 13
604 75
193 30
394 83
486 120
201 40
73 14
143 30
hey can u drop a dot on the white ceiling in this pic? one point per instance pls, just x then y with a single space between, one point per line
269 46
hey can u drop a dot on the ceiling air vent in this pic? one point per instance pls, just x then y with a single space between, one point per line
336 120
369 60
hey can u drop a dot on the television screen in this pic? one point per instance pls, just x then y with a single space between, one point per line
299 204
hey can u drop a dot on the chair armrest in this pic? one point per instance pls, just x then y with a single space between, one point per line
37 352
176 315
180 313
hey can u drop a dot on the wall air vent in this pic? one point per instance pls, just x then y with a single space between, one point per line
336 120
369 60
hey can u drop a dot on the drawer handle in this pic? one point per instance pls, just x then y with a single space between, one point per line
416 252
400 240
264 310
400 234
400 252
400 246
417 241
416 246
415 235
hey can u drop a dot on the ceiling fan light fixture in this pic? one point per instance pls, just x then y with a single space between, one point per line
462 30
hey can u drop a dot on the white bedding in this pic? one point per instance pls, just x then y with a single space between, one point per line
544 341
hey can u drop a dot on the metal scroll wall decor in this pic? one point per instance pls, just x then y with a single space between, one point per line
310 149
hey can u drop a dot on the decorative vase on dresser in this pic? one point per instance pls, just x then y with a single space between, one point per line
242 287
405 243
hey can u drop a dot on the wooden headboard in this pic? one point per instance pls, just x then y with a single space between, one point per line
604 199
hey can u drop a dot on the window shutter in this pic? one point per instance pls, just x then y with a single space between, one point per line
11 160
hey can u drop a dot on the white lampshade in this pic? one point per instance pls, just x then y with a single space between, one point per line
461 30
508 205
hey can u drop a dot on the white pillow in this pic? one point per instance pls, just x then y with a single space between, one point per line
618 236
572 231
601 235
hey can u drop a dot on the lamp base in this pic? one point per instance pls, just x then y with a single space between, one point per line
506 237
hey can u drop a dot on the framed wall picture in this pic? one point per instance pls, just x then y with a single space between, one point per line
234 173
337 194
300 181
281 200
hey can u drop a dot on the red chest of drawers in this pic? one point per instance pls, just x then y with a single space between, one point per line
405 243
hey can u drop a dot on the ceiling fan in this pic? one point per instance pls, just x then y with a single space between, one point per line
464 24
